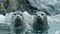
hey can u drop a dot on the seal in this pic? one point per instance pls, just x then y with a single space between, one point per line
18 25
40 24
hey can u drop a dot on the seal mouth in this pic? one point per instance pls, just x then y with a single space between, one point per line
39 20
18 23
17 19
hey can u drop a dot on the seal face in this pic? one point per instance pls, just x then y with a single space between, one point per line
40 24
40 15
18 19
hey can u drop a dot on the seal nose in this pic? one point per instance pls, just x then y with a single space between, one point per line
17 16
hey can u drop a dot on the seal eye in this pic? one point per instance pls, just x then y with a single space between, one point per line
42 14
14 14
21 14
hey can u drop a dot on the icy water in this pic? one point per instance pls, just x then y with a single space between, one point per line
53 21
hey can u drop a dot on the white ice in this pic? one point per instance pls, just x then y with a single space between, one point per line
2 19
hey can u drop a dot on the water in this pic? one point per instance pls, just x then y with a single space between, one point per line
53 21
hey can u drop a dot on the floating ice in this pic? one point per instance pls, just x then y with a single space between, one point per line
2 19
57 32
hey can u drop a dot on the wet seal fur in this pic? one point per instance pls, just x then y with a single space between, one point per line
40 24
18 25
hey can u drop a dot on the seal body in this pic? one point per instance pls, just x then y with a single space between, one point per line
40 24
18 25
